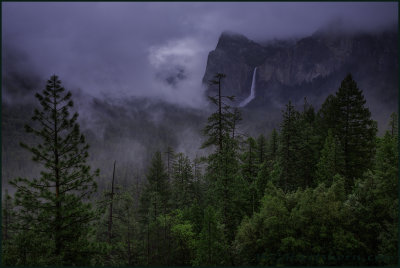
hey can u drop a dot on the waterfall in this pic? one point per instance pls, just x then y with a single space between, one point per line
252 90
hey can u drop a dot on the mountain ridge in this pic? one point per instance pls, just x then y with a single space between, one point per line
312 67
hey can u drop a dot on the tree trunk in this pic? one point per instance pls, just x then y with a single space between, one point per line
58 238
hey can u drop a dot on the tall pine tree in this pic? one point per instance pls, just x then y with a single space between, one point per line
272 148
350 120
53 206
331 161
183 193
155 201
250 167
225 191
288 150
308 147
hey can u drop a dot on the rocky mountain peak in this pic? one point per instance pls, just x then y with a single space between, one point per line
230 39
312 67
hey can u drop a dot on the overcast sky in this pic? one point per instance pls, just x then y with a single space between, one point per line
121 48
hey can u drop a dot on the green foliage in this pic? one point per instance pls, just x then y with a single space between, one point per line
355 128
29 249
326 117
325 222
155 197
250 160
123 247
375 203
7 217
249 168
316 224
261 149
183 188
331 161
294 155
350 120
211 246
170 160
308 146
289 150
317 193
261 233
263 177
183 239
53 207
225 186
273 147
222 123
394 122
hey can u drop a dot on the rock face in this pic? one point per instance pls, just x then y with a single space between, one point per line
237 57
311 67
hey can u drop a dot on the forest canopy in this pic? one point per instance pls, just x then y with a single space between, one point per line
320 190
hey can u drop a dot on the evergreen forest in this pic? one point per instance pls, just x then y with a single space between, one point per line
320 189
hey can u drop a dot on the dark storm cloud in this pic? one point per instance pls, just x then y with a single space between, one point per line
134 48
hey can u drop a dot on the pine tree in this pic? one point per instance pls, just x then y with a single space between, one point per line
386 174
308 146
226 188
222 123
170 160
117 227
374 203
182 185
157 191
250 160
182 238
7 216
258 238
250 169
211 247
110 218
331 161
394 125
350 120
263 177
155 202
53 206
273 148
236 117
357 128
266 151
122 247
198 184
326 118
261 149
125 229
288 151
7 229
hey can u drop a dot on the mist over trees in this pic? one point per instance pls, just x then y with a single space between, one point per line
320 190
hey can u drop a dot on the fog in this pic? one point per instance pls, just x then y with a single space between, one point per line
157 49
131 64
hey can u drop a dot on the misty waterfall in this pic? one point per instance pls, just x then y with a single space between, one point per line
252 90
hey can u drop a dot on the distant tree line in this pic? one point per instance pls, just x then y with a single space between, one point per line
321 190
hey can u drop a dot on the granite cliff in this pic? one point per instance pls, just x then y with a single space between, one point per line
311 67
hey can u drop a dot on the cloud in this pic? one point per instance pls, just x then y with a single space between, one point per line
178 65
180 51
157 49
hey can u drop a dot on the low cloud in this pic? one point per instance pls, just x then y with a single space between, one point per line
157 49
